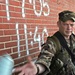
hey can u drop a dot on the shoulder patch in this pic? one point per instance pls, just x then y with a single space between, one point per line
56 42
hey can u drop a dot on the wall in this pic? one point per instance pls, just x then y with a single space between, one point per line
25 24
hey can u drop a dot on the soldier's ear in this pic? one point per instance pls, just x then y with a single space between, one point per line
58 23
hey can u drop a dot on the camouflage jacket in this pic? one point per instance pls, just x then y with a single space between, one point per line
56 59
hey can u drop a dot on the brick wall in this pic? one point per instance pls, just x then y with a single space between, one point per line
25 24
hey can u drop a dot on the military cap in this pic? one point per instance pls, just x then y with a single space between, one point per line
67 15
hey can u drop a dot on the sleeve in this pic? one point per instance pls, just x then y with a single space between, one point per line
47 52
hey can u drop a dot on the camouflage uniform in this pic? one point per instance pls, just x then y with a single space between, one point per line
57 62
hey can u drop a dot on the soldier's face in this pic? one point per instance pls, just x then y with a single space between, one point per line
66 28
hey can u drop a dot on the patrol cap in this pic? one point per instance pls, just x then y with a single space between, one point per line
67 15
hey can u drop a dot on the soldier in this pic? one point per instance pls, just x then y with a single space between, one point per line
57 56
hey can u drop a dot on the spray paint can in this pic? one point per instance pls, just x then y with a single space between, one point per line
6 65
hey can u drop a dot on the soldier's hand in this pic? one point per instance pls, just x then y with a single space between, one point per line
27 69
